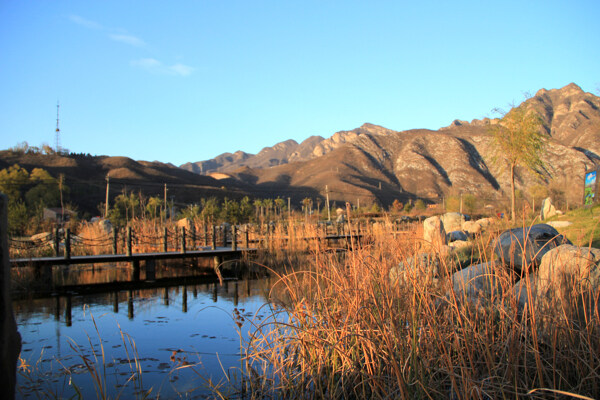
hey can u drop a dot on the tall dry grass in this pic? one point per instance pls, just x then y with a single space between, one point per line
342 329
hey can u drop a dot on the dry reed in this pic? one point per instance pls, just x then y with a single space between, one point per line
344 330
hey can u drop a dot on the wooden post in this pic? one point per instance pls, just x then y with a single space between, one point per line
136 270
68 309
184 306
183 240
130 304
166 296
114 243
116 302
214 237
67 244
150 270
10 345
128 241
176 238
205 228
234 238
165 240
246 238
57 308
193 236
57 242
224 227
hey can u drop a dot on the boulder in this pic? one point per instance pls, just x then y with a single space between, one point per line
477 283
566 285
433 231
185 223
547 210
456 236
485 222
453 221
42 237
559 224
423 267
472 228
459 244
525 247
105 226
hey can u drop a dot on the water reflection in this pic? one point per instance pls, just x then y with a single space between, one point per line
187 324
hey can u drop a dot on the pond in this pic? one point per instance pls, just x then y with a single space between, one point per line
182 337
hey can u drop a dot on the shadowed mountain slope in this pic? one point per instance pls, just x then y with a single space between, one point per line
374 163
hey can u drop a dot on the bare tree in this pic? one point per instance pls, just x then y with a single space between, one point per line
518 141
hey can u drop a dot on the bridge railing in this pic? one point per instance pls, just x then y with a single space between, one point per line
126 241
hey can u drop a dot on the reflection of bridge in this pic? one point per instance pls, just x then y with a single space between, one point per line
63 297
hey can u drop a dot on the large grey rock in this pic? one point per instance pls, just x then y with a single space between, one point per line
547 210
455 236
566 285
434 232
44 237
453 221
560 224
185 223
526 246
485 222
423 267
472 227
478 284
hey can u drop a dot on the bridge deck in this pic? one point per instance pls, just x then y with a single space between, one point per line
115 258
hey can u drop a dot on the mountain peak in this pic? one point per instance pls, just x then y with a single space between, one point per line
569 90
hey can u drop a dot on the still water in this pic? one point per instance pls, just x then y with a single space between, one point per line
181 337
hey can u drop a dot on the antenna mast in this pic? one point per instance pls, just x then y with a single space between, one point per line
57 137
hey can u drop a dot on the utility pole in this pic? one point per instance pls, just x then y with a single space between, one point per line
61 181
106 201
165 202
327 195
289 209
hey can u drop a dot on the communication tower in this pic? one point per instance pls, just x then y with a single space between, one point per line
57 136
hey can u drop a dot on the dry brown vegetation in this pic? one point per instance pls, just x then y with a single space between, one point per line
341 329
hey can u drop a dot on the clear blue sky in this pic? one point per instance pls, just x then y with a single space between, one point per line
183 81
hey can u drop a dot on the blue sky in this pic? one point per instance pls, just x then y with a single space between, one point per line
188 80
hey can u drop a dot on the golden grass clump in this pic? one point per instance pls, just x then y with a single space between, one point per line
342 329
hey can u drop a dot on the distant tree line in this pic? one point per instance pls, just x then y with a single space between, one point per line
29 193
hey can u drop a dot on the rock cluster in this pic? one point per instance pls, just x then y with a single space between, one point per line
537 269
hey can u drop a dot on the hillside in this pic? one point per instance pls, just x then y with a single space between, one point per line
375 163
85 176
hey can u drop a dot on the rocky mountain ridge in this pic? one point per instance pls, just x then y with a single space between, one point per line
374 163
364 165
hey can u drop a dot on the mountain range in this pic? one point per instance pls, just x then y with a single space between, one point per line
373 163
364 165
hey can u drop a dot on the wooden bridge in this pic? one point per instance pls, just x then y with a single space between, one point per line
180 244
131 258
